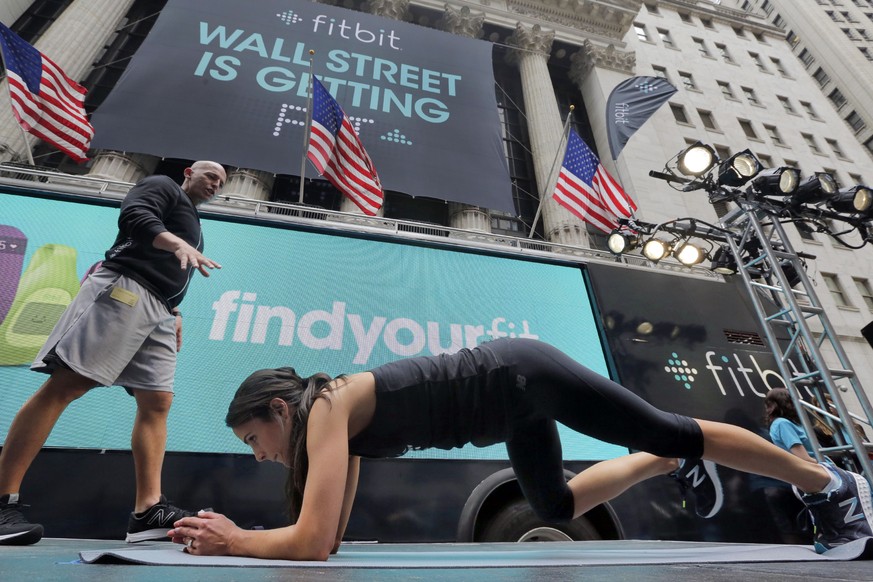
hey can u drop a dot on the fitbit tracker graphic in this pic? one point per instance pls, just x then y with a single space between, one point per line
13 243
47 287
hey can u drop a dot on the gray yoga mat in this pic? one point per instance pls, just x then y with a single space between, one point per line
499 555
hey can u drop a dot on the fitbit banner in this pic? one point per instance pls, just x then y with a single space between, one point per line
229 80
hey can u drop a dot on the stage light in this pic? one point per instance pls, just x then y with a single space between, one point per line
689 254
622 241
724 262
738 169
791 273
854 200
697 159
777 181
656 249
817 188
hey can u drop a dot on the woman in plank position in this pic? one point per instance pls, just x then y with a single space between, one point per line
507 390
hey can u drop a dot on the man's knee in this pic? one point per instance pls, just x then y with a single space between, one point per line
153 402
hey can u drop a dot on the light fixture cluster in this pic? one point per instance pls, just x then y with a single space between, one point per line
782 186
656 248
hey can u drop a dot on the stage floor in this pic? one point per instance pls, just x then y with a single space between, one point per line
58 560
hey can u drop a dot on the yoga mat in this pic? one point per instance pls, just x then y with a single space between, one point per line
499 555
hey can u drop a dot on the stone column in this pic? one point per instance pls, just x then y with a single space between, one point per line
545 127
122 167
463 22
72 42
246 183
596 71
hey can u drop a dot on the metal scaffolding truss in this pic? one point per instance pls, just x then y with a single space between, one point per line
773 271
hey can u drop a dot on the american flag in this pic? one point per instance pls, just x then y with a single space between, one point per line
337 153
586 189
46 102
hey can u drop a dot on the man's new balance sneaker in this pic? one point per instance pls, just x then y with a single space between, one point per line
701 478
842 515
15 530
155 522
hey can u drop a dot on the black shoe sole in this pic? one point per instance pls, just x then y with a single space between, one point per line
24 538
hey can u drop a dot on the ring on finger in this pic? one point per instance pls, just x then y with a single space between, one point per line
190 542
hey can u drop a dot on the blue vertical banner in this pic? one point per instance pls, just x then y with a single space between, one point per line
630 105
229 80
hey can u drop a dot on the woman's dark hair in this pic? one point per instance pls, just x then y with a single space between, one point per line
252 400
778 404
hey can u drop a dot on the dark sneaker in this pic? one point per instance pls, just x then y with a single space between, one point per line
155 522
15 530
701 478
844 514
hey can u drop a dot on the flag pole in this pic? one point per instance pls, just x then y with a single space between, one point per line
307 128
20 127
552 177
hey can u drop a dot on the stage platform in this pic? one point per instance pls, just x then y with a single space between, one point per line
60 560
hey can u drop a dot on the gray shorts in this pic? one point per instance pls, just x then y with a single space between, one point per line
115 332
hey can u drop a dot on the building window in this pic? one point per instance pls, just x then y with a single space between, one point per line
660 72
707 119
748 129
866 292
792 39
837 98
688 81
786 104
767 7
837 291
766 161
760 37
805 231
866 52
856 179
850 34
835 147
862 32
807 106
811 143
806 58
821 77
869 145
773 132
679 114
739 31
756 58
726 90
707 23
701 47
666 39
652 8
855 122
751 96
686 17
642 34
723 51
723 152
780 68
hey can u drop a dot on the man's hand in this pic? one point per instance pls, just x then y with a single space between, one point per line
187 255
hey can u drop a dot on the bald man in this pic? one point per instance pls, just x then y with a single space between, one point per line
123 328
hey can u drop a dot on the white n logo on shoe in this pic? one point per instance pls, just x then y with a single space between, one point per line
696 475
853 505
160 518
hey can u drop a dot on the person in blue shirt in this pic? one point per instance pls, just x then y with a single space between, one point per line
786 432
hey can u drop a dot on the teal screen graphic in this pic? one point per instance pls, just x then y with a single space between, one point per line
314 301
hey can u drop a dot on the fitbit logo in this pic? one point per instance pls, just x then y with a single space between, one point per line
733 372
322 24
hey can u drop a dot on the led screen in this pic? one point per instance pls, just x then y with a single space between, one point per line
318 302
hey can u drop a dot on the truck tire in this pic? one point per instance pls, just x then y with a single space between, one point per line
516 522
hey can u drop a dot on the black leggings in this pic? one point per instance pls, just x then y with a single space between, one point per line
557 388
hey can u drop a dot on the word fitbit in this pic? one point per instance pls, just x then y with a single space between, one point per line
736 372
326 330
331 26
